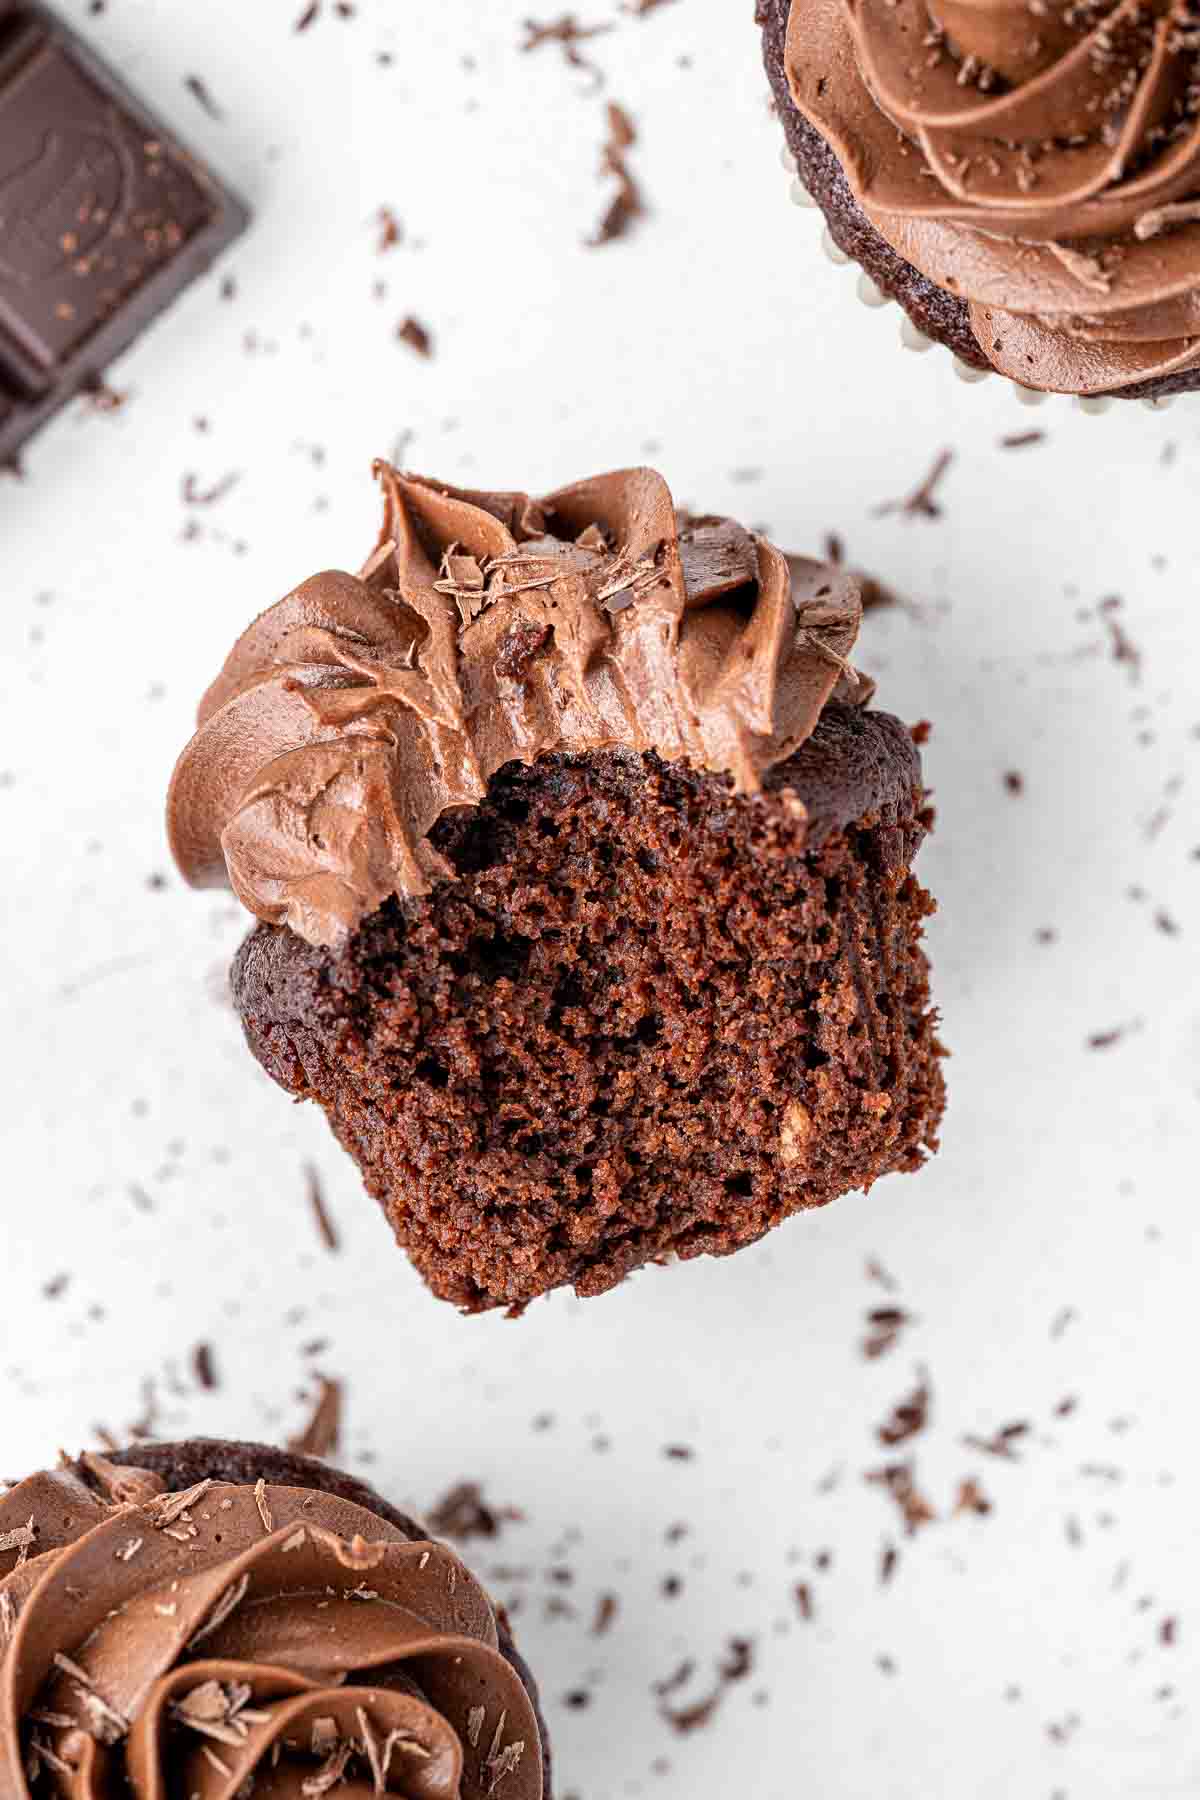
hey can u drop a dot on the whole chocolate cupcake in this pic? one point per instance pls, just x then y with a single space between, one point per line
212 1620
584 874
1023 179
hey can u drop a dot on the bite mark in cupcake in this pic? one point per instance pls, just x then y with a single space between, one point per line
585 878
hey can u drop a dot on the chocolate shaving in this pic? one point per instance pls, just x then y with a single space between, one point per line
164 1509
1002 1443
900 1481
907 1417
260 1500
1105 1040
326 1230
606 1612
627 204
735 1666
391 231
203 1367
920 503
568 34
971 1498
1124 650
198 87
194 495
320 1436
418 337
462 1513
884 1326
1159 218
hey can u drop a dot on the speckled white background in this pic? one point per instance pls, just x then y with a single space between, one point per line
1049 1253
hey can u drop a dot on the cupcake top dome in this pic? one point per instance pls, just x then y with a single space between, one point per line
1041 162
488 628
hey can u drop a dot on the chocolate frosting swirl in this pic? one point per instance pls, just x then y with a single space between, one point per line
1041 163
233 1640
487 628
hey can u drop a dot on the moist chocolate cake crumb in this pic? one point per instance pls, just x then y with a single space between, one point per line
646 1017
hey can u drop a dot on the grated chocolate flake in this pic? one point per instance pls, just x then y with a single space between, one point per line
326 1230
199 90
418 337
320 1436
627 204
921 503
462 1513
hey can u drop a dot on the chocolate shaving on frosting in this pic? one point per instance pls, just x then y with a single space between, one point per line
1037 161
487 628
250 1651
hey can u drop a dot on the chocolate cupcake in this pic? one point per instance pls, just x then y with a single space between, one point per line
216 1619
1022 179
584 873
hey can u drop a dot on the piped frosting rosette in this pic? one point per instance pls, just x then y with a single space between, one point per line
488 628
233 1640
1041 162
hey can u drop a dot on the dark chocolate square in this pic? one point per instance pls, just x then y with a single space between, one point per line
104 218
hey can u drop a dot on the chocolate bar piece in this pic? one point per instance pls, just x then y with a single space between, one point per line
104 218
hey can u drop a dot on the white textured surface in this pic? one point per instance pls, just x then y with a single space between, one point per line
721 343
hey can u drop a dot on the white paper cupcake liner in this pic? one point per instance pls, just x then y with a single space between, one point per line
911 338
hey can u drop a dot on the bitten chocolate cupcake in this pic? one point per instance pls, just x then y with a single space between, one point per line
584 873
1024 179
213 1620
